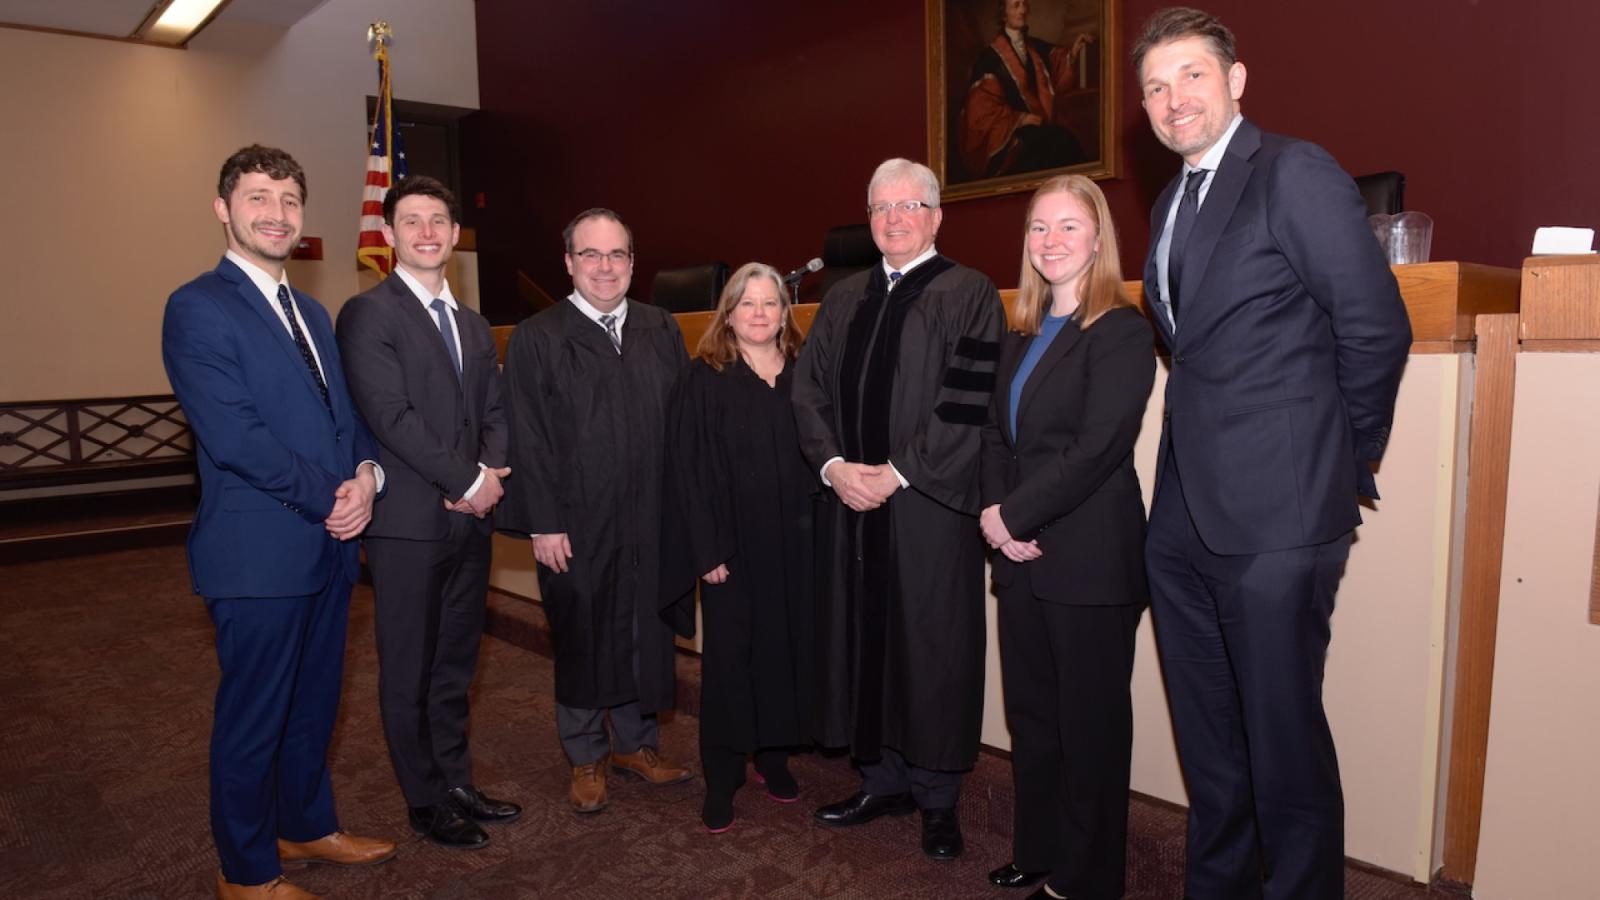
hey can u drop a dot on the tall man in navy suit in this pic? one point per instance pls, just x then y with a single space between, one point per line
423 371
1288 337
288 477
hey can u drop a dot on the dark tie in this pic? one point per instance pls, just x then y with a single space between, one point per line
1188 209
301 342
894 279
610 322
448 333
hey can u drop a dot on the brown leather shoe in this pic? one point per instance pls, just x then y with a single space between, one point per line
337 849
588 794
276 889
651 766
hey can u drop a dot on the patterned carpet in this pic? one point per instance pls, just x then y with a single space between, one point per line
106 681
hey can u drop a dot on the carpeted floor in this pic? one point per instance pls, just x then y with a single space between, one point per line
106 680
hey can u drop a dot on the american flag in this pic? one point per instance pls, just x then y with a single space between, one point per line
386 164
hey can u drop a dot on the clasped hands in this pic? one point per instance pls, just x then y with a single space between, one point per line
860 486
483 501
999 537
352 505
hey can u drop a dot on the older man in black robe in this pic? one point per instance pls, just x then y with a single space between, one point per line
587 382
890 394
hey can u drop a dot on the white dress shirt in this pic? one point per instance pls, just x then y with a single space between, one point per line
1209 162
426 299
269 289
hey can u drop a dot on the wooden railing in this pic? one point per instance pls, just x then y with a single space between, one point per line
50 442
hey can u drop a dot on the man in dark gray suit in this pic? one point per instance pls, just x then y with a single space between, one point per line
1288 337
422 368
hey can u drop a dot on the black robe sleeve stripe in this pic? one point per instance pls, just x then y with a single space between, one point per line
978 350
962 413
969 380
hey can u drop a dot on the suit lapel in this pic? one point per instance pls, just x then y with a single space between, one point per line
425 327
1152 275
251 297
1222 197
1065 339
1011 351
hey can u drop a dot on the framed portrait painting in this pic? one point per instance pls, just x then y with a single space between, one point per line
1020 91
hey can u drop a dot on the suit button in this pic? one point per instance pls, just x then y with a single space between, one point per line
1177 359
465 422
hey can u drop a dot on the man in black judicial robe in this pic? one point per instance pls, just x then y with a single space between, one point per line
588 381
890 396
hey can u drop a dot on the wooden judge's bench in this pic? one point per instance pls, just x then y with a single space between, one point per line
1427 637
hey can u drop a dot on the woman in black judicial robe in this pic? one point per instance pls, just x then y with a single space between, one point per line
1063 508
744 496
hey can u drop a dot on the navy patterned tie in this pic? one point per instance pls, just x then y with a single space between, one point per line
894 279
609 322
1188 209
448 333
303 344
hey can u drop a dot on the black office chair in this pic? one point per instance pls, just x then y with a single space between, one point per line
689 289
1385 192
846 250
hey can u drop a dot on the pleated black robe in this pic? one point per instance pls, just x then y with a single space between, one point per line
588 428
744 498
903 377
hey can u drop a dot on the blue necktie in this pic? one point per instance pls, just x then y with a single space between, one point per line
302 344
448 333
894 279
1188 209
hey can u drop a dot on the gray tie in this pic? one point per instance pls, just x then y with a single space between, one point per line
448 333
1188 209
609 320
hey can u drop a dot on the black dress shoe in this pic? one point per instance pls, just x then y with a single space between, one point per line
483 809
941 833
863 808
1010 876
446 825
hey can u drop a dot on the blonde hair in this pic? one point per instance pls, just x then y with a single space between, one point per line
1100 289
719 346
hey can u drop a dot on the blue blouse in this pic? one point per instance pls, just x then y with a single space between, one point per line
1048 329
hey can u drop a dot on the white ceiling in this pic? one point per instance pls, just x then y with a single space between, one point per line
119 18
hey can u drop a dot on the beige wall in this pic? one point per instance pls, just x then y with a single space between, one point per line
117 166
1541 798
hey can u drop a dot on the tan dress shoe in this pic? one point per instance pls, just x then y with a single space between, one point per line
651 766
276 889
588 794
337 849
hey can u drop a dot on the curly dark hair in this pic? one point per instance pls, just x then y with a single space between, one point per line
270 161
424 186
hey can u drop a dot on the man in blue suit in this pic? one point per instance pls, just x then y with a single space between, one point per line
288 478
1288 337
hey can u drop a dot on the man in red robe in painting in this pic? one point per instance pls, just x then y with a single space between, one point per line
1010 123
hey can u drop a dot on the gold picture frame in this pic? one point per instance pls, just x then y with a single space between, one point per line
994 125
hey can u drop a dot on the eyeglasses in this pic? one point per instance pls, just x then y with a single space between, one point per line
905 206
592 257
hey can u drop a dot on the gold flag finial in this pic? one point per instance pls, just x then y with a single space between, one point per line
379 37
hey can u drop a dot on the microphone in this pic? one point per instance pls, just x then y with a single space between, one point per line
803 271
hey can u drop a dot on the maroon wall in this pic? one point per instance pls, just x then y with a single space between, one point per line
738 131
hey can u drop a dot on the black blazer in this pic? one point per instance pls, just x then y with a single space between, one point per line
1066 479
1290 340
432 431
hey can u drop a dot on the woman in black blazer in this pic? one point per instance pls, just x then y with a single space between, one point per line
1063 508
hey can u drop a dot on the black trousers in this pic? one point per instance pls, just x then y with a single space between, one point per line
1066 672
1243 641
429 622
